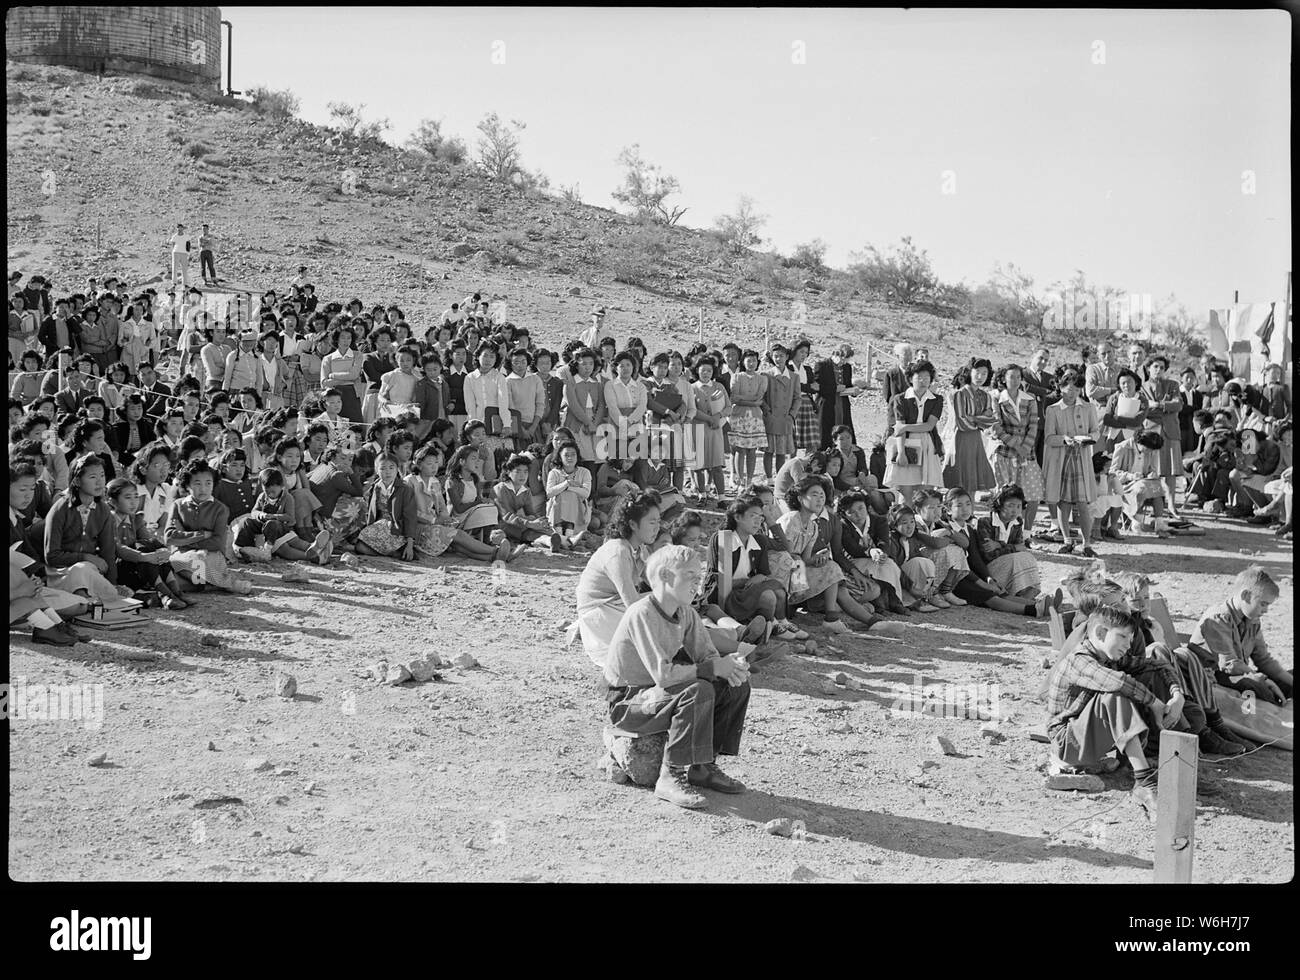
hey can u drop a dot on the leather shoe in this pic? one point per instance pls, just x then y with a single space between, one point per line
710 776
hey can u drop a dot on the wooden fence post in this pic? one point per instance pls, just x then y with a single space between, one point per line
725 544
1176 810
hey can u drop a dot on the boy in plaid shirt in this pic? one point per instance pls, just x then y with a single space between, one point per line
1096 706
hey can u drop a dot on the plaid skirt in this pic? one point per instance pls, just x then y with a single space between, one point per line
807 425
297 388
1075 470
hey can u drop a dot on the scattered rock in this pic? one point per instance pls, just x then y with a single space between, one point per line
212 802
309 788
258 765
286 685
98 759
378 670
637 759
990 733
424 668
284 771
212 746
461 250
295 575
295 848
780 827
943 745
842 679
929 764
464 661
843 728
575 291
1079 782
397 674
209 640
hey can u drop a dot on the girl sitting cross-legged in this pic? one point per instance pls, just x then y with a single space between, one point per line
439 528
755 593
199 528
867 557
142 560
728 633
950 564
902 546
817 579
980 588
1001 540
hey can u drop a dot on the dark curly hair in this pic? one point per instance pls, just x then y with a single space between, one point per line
796 492
631 510
744 502
919 367
192 469
1012 491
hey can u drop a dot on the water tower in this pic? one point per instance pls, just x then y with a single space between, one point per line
178 43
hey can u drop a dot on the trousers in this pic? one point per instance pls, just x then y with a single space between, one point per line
703 719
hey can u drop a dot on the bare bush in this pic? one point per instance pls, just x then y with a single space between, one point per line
646 188
739 231
349 119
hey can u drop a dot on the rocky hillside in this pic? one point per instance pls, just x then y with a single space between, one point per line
99 169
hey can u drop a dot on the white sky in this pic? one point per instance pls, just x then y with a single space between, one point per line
1131 170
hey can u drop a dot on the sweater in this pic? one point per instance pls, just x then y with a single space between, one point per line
647 641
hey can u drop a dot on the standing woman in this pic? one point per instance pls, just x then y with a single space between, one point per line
1041 385
293 343
780 408
915 454
340 369
625 399
1016 428
1164 404
275 373
748 432
972 415
1127 409
1069 481
712 407
807 429
487 396
584 399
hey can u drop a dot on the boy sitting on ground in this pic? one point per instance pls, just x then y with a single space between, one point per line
1230 641
665 674
1095 708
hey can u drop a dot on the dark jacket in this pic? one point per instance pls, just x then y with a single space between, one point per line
758 563
403 511
68 540
989 545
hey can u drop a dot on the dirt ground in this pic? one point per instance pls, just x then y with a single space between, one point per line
489 774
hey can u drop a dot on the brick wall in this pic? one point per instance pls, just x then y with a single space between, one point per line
179 43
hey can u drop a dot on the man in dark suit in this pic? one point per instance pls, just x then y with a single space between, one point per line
896 382
61 329
154 391
78 385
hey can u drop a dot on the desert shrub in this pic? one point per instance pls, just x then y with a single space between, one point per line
903 272
809 255
635 259
429 140
197 150
279 105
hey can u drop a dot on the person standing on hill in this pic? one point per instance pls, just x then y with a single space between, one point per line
207 267
181 246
